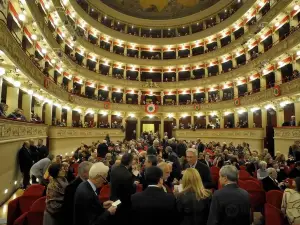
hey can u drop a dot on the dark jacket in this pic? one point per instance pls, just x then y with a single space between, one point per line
269 184
176 167
181 149
42 151
294 173
205 174
102 150
230 206
25 159
153 205
152 151
192 211
201 147
69 197
87 208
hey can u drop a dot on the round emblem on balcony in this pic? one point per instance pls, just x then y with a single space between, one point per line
106 105
151 108
197 107
276 91
237 101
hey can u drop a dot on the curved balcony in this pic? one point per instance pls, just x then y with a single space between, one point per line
159 41
171 62
252 65
104 9
22 61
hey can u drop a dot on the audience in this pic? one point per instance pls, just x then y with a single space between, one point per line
193 202
291 201
53 214
231 204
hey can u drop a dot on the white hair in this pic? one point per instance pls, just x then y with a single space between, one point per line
193 150
97 170
104 141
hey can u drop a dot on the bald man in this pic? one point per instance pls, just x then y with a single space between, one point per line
25 161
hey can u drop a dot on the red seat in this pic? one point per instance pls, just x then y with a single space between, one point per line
104 193
274 198
34 190
257 195
244 175
75 166
35 215
273 216
139 188
243 168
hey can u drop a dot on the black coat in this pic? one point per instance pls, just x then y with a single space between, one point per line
121 188
181 149
230 206
69 197
176 167
201 147
205 174
87 207
34 153
294 173
152 151
269 184
42 151
121 185
102 150
192 211
153 206
25 159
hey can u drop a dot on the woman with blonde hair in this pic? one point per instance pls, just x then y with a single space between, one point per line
193 202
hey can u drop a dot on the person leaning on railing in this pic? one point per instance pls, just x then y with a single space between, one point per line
3 109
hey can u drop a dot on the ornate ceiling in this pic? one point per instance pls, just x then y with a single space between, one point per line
159 9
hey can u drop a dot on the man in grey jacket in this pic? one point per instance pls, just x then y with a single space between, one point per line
39 168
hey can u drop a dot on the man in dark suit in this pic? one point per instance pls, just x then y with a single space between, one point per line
204 171
231 204
270 182
295 172
200 145
153 204
153 150
25 161
42 149
68 204
87 207
122 187
102 149
151 160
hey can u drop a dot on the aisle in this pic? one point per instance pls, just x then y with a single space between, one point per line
3 209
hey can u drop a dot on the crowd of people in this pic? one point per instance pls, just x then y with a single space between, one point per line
167 178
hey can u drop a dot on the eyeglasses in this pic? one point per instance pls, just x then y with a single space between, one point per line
105 180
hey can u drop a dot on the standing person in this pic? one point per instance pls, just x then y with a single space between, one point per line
194 201
193 162
88 210
42 149
33 150
153 150
151 160
53 214
290 202
68 205
25 162
231 204
39 169
122 187
102 149
154 201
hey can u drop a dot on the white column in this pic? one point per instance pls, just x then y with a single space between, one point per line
236 118
279 116
12 97
48 114
58 112
264 119
26 106
250 118
138 127
162 129
297 112
69 118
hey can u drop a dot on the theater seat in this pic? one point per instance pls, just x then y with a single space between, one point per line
257 195
35 215
273 216
244 175
274 198
104 193
34 190
243 168
75 166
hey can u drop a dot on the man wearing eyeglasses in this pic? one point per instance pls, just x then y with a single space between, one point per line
87 207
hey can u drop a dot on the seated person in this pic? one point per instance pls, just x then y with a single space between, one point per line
17 115
270 182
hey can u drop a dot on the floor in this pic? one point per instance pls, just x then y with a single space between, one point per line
3 208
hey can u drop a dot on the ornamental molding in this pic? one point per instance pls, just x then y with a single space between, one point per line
287 133
252 133
69 132
12 130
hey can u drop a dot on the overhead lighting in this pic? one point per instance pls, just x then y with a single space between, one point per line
150 116
170 115
33 37
199 115
5 191
2 71
22 17
269 106
298 53
277 24
131 115
284 103
296 7
66 107
53 61
77 110
47 6
241 111
17 83
30 92
44 51
90 112
57 105
254 109
104 113
227 113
